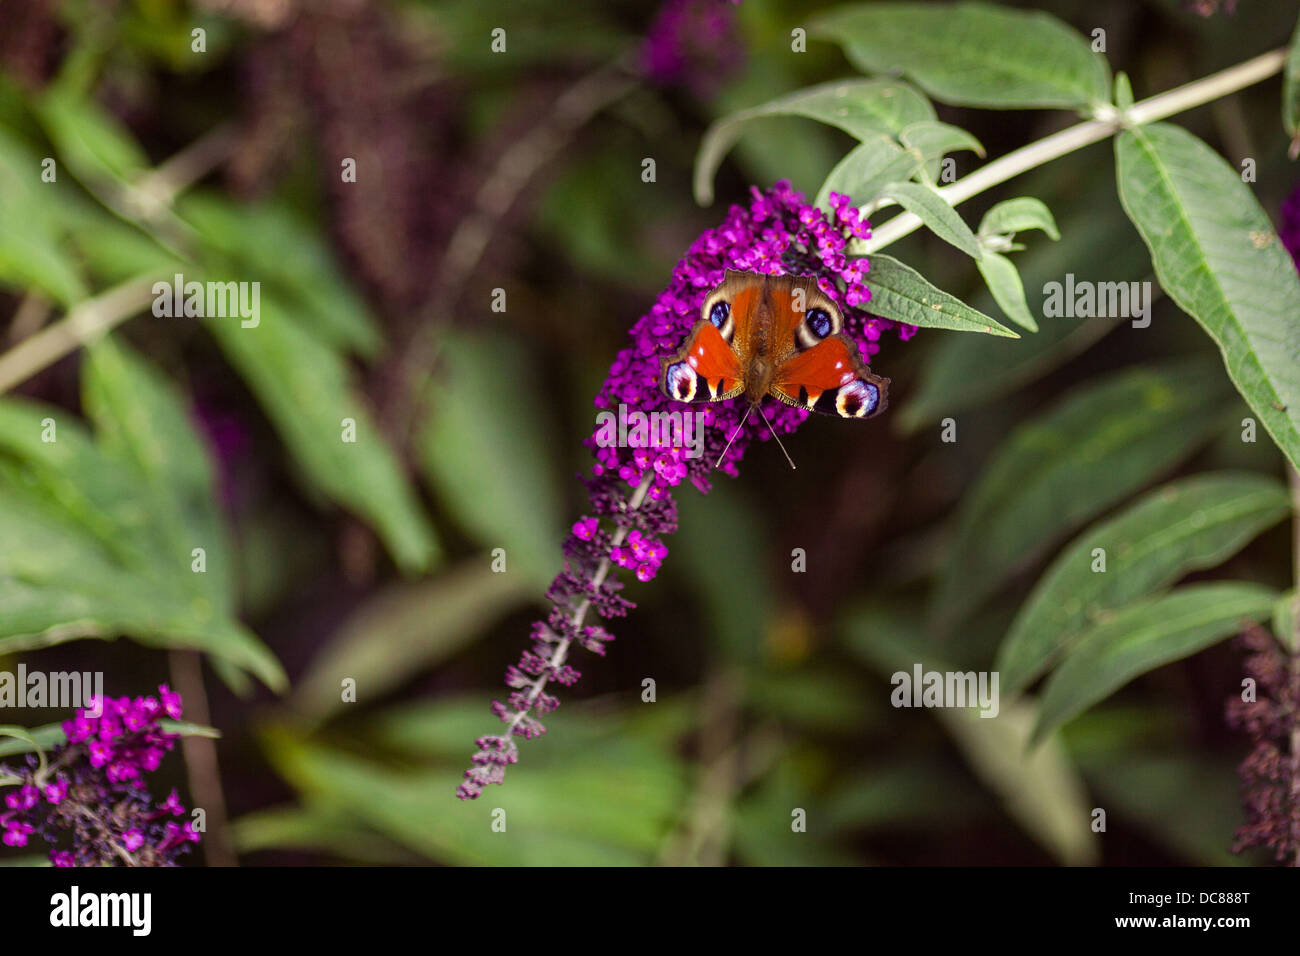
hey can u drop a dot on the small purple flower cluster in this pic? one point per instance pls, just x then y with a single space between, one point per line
1270 774
93 789
777 234
695 43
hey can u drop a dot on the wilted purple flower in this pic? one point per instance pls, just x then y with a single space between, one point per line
93 789
694 42
779 234
1270 775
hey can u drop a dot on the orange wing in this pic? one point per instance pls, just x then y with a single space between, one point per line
830 378
707 368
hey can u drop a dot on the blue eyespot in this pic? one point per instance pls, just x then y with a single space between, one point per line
819 322
718 314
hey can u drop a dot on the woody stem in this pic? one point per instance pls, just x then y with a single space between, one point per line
1036 154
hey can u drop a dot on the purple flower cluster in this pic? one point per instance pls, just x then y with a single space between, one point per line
1270 774
693 42
631 487
93 789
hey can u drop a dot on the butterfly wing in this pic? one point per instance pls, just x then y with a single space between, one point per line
829 377
707 369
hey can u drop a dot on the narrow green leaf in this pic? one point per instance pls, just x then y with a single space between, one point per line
1216 254
1291 93
1017 215
404 630
866 170
26 740
49 736
270 243
862 108
940 218
142 422
1066 465
1286 621
972 54
479 440
1041 790
899 292
1144 636
959 372
1123 91
1003 281
305 388
94 145
930 141
1187 525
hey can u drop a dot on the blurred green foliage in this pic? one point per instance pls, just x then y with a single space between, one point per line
371 560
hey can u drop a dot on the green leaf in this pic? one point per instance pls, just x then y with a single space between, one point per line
862 108
488 452
49 736
866 170
959 372
269 240
1216 254
972 54
33 228
899 292
320 826
141 422
1123 91
1286 621
930 141
1187 525
94 145
609 806
1017 215
1291 93
1144 636
404 630
27 740
1066 465
88 551
925 202
305 389
1144 786
1003 281
1041 790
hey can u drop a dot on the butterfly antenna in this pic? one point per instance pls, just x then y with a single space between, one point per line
777 437
733 436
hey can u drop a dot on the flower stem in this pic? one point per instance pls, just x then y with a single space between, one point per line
1083 134
85 322
580 612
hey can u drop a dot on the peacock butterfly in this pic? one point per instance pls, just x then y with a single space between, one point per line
773 335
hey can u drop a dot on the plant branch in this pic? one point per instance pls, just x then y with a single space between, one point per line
1196 93
201 758
495 197
85 322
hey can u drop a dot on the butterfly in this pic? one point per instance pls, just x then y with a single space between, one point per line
782 336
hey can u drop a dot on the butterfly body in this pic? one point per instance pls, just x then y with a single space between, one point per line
782 336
